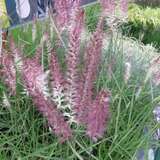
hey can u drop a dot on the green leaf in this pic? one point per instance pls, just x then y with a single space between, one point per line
157 154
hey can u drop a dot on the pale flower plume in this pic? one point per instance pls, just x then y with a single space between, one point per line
154 71
127 73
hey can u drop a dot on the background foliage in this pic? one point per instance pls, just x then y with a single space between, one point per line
143 22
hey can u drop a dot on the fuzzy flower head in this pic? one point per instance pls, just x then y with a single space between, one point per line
73 56
57 82
154 71
62 17
35 77
98 115
92 60
16 53
36 83
124 6
63 10
123 11
8 71
108 7
57 78
56 121
127 73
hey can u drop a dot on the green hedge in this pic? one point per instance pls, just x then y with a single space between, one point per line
144 24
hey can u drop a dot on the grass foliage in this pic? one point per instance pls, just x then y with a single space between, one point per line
92 14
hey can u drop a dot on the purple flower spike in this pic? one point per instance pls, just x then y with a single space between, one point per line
92 60
73 56
108 7
8 71
56 73
35 82
124 6
97 116
64 10
62 16
55 119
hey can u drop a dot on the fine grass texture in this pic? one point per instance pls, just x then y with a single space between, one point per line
24 134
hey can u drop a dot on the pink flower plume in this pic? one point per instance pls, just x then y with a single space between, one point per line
8 71
35 81
97 116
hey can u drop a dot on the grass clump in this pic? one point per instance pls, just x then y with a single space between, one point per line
25 134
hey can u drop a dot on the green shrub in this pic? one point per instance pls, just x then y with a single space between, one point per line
144 24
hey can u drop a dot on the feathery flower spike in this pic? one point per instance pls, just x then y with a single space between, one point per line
92 61
55 119
8 71
98 114
35 82
124 6
154 71
73 56
62 12
108 7
127 73
57 82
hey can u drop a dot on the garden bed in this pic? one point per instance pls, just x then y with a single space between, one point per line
119 74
